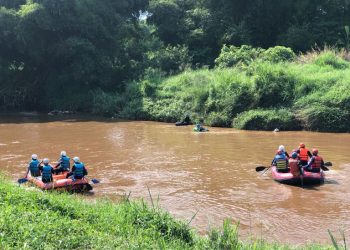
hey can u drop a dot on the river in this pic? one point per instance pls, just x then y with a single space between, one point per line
211 174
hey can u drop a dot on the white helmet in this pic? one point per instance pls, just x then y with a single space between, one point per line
34 157
46 161
63 153
281 147
76 159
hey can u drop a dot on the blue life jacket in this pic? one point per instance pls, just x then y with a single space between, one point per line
34 167
79 170
47 172
281 161
65 162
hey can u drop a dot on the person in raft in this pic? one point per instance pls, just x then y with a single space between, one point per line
281 162
34 166
281 147
78 169
315 163
46 171
304 154
63 163
294 164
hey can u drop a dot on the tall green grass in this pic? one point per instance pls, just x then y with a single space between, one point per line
31 219
310 92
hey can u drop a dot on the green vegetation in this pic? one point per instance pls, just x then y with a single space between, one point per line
287 92
31 219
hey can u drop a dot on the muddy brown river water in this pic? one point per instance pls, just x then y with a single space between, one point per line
211 174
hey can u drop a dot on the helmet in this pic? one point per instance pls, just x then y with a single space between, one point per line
315 151
46 161
294 155
281 147
302 145
63 153
34 156
279 152
76 159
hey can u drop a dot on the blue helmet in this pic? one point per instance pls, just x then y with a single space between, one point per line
294 155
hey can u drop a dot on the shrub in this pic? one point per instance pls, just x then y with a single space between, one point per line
107 104
232 55
259 119
278 54
330 58
324 118
218 119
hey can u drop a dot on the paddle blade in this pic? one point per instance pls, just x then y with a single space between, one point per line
22 180
95 181
260 168
328 163
324 168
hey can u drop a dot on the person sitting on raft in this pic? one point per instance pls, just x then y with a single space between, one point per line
294 164
63 163
46 171
281 162
316 162
78 169
34 166
281 147
304 154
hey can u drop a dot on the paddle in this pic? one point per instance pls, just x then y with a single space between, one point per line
260 168
94 181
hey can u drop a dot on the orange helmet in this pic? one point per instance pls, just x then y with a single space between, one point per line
314 151
302 145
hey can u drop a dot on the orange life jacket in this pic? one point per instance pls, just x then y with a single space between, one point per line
317 162
293 166
303 156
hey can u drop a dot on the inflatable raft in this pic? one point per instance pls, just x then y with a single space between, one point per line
60 182
183 123
200 130
307 178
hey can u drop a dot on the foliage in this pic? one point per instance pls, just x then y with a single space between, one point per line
232 55
266 120
278 54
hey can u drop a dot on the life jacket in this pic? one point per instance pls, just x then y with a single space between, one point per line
303 156
34 167
47 172
281 161
79 170
317 162
65 162
293 166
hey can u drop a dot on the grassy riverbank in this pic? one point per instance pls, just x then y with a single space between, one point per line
308 92
30 219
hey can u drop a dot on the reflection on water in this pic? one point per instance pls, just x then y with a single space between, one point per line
212 173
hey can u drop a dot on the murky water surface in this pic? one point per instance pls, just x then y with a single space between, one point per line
211 174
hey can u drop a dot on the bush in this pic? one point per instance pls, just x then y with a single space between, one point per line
278 54
324 118
330 58
273 85
232 55
259 119
106 104
218 119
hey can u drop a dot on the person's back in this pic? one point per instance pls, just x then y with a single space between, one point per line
304 154
315 163
47 171
293 163
34 166
281 162
78 169
64 164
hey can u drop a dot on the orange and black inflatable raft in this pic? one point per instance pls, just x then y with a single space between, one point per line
61 182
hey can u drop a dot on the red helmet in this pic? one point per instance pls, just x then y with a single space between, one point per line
314 151
279 152
302 145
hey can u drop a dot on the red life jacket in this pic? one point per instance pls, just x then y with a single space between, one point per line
303 156
317 162
293 166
